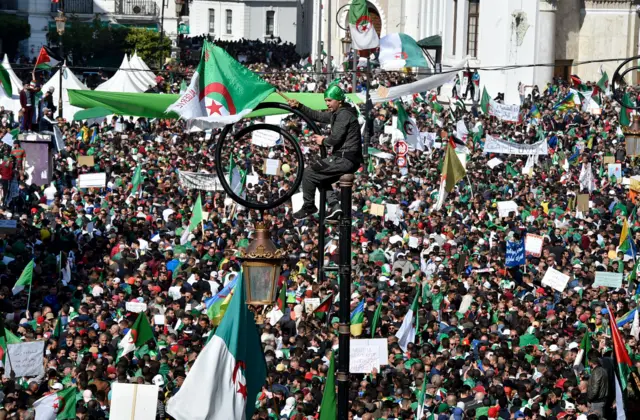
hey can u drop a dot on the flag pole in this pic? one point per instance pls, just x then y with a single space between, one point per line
29 297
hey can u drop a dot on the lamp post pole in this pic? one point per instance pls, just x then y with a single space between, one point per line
61 21
162 35
346 186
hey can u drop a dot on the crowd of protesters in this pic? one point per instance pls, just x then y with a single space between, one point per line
493 342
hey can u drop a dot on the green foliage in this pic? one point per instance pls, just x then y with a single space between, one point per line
147 44
13 29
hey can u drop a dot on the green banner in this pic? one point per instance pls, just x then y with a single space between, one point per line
153 105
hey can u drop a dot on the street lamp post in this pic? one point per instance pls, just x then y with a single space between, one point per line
261 266
61 21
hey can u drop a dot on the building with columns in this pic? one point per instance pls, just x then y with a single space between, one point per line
498 33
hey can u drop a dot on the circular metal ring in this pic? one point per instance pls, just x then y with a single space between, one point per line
617 76
285 134
338 19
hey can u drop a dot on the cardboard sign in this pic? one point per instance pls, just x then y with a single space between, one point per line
634 183
613 280
609 159
136 307
98 180
533 244
555 279
367 354
494 162
85 161
8 226
583 203
133 401
272 167
158 319
377 209
26 359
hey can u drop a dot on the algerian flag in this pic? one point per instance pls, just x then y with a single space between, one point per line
183 86
196 218
408 128
137 180
329 405
398 51
423 392
139 333
237 178
5 81
485 102
57 406
407 332
221 90
363 34
229 372
25 278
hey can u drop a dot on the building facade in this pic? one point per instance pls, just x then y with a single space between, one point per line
253 19
151 14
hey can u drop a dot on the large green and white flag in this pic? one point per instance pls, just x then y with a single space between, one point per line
57 406
196 218
25 278
229 372
398 51
139 333
363 34
221 89
408 128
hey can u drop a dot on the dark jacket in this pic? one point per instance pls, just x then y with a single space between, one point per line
598 387
345 129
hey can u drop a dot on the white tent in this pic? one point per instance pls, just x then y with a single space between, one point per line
13 103
142 70
69 81
123 80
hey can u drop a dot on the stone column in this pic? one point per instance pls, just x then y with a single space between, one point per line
545 42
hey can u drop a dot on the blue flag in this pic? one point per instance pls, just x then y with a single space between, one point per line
515 254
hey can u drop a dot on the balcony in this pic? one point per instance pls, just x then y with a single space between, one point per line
8 5
137 8
74 7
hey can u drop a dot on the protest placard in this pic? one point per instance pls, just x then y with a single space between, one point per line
136 307
265 138
310 304
272 167
515 254
615 169
133 401
555 279
533 244
26 359
635 183
98 180
8 226
606 279
505 112
376 209
506 207
414 242
86 161
200 181
609 159
366 354
494 162
583 203
158 319
496 145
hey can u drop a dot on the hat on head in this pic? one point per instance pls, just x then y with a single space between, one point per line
334 92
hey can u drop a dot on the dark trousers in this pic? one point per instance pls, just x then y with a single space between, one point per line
27 121
321 175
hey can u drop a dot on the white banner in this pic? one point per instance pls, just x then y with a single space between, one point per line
366 354
504 112
265 138
496 145
199 181
98 180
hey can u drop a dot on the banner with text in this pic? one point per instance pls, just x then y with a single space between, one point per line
200 181
504 112
496 145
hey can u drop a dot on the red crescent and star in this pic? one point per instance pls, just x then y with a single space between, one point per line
242 388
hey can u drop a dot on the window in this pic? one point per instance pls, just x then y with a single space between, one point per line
229 21
271 15
212 21
472 28
455 25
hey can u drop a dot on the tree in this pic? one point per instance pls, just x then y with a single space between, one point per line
13 29
147 44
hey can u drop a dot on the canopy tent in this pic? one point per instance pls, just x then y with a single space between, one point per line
13 103
153 105
142 70
69 81
123 81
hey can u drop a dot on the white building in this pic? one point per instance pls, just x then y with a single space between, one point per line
253 19
140 13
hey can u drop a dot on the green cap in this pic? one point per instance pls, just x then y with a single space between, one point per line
334 92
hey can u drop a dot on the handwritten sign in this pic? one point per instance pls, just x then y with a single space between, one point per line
26 359
583 203
533 244
504 112
133 401
271 166
85 161
136 307
265 138
604 279
377 209
367 354
555 279
515 254
98 180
